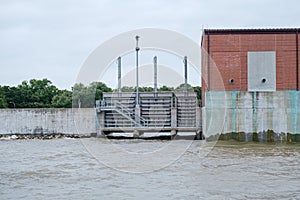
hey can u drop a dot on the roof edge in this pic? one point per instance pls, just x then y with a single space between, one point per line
251 31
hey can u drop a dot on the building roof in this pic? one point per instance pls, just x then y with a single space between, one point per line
252 31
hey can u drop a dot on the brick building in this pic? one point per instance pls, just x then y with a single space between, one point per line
257 72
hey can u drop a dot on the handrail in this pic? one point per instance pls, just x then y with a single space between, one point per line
120 106
123 110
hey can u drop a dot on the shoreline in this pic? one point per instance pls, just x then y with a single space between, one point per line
39 136
17 136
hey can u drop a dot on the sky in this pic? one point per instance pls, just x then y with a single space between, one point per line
52 38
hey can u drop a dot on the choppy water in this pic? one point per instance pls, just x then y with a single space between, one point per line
64 169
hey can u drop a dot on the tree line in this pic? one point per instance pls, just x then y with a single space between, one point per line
43 94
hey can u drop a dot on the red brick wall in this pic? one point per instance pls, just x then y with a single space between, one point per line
204 67
228 53
299 59
228 59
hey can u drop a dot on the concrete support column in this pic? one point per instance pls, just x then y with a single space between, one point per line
101 121
136 134
198 117
173 133
137 112
174 117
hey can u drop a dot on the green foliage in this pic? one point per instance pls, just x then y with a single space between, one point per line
85 96
3 103
128 89
32 94
165 88
82 96
146 89
190 88
36 93
180 88
133 89
63 99
99 88
42 94
197 89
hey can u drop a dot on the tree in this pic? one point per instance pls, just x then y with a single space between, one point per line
13 96
42 92
85 96
30 94
36 93
3 103
165 88
81 96
128 89
99 88
62 100
181 88
197 89
146 89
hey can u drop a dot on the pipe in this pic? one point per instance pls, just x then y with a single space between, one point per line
185 74
119 74
297 61
137 105
155 73
208 63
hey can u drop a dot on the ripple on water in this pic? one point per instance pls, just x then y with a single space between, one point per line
63 169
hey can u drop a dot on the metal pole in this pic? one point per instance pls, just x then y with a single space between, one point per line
119 74
297 61
208 62
185 74
155 73
137 71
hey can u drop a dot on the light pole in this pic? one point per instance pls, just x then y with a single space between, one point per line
137 105
185 74
119 74
155 73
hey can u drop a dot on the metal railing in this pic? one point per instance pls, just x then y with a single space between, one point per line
124 111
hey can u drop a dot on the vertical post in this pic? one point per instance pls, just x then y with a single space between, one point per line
208 62
185 74
79 103
297 61
137 105
119 74
155 74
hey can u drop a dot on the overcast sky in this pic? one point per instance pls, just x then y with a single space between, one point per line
52 38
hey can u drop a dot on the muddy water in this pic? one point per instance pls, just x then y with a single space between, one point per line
66 169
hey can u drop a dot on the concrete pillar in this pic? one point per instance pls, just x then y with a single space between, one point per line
100 133
137 112
136 134
101 122
101 117
198 117
174 117
173 133
94 134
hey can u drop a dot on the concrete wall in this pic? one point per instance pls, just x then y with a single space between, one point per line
48 121
248 116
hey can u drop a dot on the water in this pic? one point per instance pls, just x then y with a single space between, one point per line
64 169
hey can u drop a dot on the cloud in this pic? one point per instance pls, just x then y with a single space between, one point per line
53 38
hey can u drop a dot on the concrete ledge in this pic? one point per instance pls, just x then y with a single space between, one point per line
268 136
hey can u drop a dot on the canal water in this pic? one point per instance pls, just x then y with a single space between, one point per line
95 169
